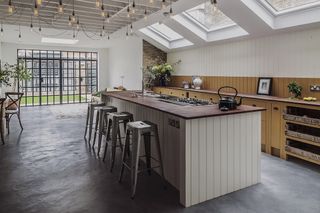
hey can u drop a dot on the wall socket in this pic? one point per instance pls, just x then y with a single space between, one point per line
315 88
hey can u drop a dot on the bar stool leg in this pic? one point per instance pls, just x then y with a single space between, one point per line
109 129
91 122
101 128
126 148
147 149
96 129
115 125
119 137
87 121
135 162
156 134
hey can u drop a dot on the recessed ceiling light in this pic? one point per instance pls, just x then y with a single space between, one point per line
59 41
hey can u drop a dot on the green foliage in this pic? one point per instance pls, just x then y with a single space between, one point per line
20 72
5 74
295 89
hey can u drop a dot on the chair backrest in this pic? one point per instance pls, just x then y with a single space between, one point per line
14 100
2 101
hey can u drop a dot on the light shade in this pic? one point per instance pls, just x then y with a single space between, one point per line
58 41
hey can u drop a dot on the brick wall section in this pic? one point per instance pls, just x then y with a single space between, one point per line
152 55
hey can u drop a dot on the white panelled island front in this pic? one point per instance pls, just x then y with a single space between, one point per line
206 152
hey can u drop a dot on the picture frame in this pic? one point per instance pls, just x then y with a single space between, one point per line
264 86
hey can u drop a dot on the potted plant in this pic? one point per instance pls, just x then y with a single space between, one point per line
162 72
5 73
295 89
19 73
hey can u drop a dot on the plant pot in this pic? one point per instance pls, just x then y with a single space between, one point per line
162 81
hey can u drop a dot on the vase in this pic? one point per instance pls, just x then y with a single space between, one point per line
162 81
197 82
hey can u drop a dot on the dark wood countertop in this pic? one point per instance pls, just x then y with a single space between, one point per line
185 112
258 97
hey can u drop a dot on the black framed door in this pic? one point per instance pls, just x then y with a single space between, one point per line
58 76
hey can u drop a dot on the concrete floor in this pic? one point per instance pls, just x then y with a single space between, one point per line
50 168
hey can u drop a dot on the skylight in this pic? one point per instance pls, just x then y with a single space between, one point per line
209 17
165 32
165 36
282 5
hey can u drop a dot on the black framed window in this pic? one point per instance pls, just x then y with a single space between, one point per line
58 76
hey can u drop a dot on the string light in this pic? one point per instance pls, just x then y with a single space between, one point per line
108 17
73 17
78 24
10 7
19 33
1 30
70 23
103 14
131 28
39 2
164 4
74 35
98 3
145 14
133 7
171 10
127 33
128 11
108 37
35 10
60 7
31 25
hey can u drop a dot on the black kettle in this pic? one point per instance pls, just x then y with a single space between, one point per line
228 102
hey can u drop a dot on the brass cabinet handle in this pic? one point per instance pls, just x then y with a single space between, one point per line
275 108
254 105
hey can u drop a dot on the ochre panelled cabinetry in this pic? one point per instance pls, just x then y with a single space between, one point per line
265 121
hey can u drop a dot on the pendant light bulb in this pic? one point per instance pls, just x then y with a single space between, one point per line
103 14
151 1
145 15
108 37
97 3
164 4
35 10
1 31
131 29
40 30
10 7
78 24
39 2
133 7
70 23
19 36
31 27
60 7
73 17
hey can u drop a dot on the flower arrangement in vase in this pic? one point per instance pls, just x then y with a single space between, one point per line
295 89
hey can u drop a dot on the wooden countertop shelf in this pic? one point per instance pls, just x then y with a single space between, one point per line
258 97
185 112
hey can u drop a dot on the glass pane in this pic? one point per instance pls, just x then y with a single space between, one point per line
29 53
21 53
207 15
166 32
280 5
94 56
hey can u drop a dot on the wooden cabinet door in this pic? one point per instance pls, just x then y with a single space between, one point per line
264 120
276 125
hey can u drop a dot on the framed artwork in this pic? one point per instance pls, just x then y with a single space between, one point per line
264 86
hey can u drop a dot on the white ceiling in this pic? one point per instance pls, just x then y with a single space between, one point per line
249 15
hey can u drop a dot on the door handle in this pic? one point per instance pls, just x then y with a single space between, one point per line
275 108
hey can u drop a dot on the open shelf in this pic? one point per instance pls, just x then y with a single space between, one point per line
302 133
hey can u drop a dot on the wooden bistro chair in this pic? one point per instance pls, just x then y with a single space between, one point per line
13 107
2 113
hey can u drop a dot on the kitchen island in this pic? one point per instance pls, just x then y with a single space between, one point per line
206 152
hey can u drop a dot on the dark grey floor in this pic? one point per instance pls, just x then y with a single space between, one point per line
50 168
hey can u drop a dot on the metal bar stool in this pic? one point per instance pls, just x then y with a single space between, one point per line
140 129
115 119
101 123
90 116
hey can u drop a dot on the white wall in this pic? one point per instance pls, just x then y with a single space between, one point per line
295 54
9 54
125 59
